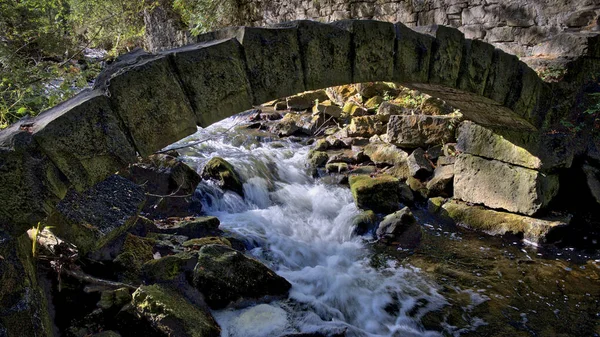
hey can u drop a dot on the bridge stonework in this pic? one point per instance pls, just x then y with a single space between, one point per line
145 102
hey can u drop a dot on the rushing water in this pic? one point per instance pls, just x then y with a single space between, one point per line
301 228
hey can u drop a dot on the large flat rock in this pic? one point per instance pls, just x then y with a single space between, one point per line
528 149
420 130
499 185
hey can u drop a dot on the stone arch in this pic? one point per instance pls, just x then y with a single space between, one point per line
144 101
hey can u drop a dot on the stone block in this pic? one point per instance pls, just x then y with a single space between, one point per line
501 77
500 185
446 54
523 148
419 166
84 138
274 62
31 184
475 67
524 96
379 194
325 51
499 223
214 77
373 49
152 104
413 131
413 53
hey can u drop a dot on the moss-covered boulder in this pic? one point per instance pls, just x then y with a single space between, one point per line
364 222
220 170
197 227
379 194
225 275
196 244
306 100
170 313
317 158
497 222
134 253
114 299
366 126
23 305
170 268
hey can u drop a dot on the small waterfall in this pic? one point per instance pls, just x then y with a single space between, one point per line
301 228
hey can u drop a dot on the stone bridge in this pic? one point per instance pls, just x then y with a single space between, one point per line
145 102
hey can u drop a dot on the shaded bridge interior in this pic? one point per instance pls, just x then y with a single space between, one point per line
144 102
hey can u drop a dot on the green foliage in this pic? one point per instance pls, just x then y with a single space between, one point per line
206 15
551 73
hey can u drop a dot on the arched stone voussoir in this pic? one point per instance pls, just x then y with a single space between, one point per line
152 104
446 54
325 51
373 46
214 77
412 55
84 138
475 67
31 185
273 59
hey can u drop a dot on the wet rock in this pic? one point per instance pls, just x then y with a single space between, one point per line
385 154
171 314
196 228
364 222
220 170
435 204
499 223
165 175
317 158
501 185
400 228
134 253
365 126
24 308
417 186
419 166
171 268
224 275
420 130
341 158
306 100
441 183
337 167
364 170
114 299
94 218
379 194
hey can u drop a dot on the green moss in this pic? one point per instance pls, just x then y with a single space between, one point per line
219 169
196 244
135 252
169 267
317 158
364 222
172 314
434 204
379 194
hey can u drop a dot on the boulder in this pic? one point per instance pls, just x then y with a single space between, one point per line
223 173
328 109
435 204
420 130
401 228
225 275
441 183
388 109
446 160
592 175
364 222
354 109
435 107
373 103
164 175
372 89
317 158
197 227
379 194
306 100
134 253
385 154
419 166
24 308
337 167
171 314
496 184
418 187
533 150
321 145
114 299
171 268
365 126
341 94
196 244
97 216
497 222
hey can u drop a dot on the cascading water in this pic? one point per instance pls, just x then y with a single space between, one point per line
301 228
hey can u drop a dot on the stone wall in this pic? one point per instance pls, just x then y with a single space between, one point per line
514 26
